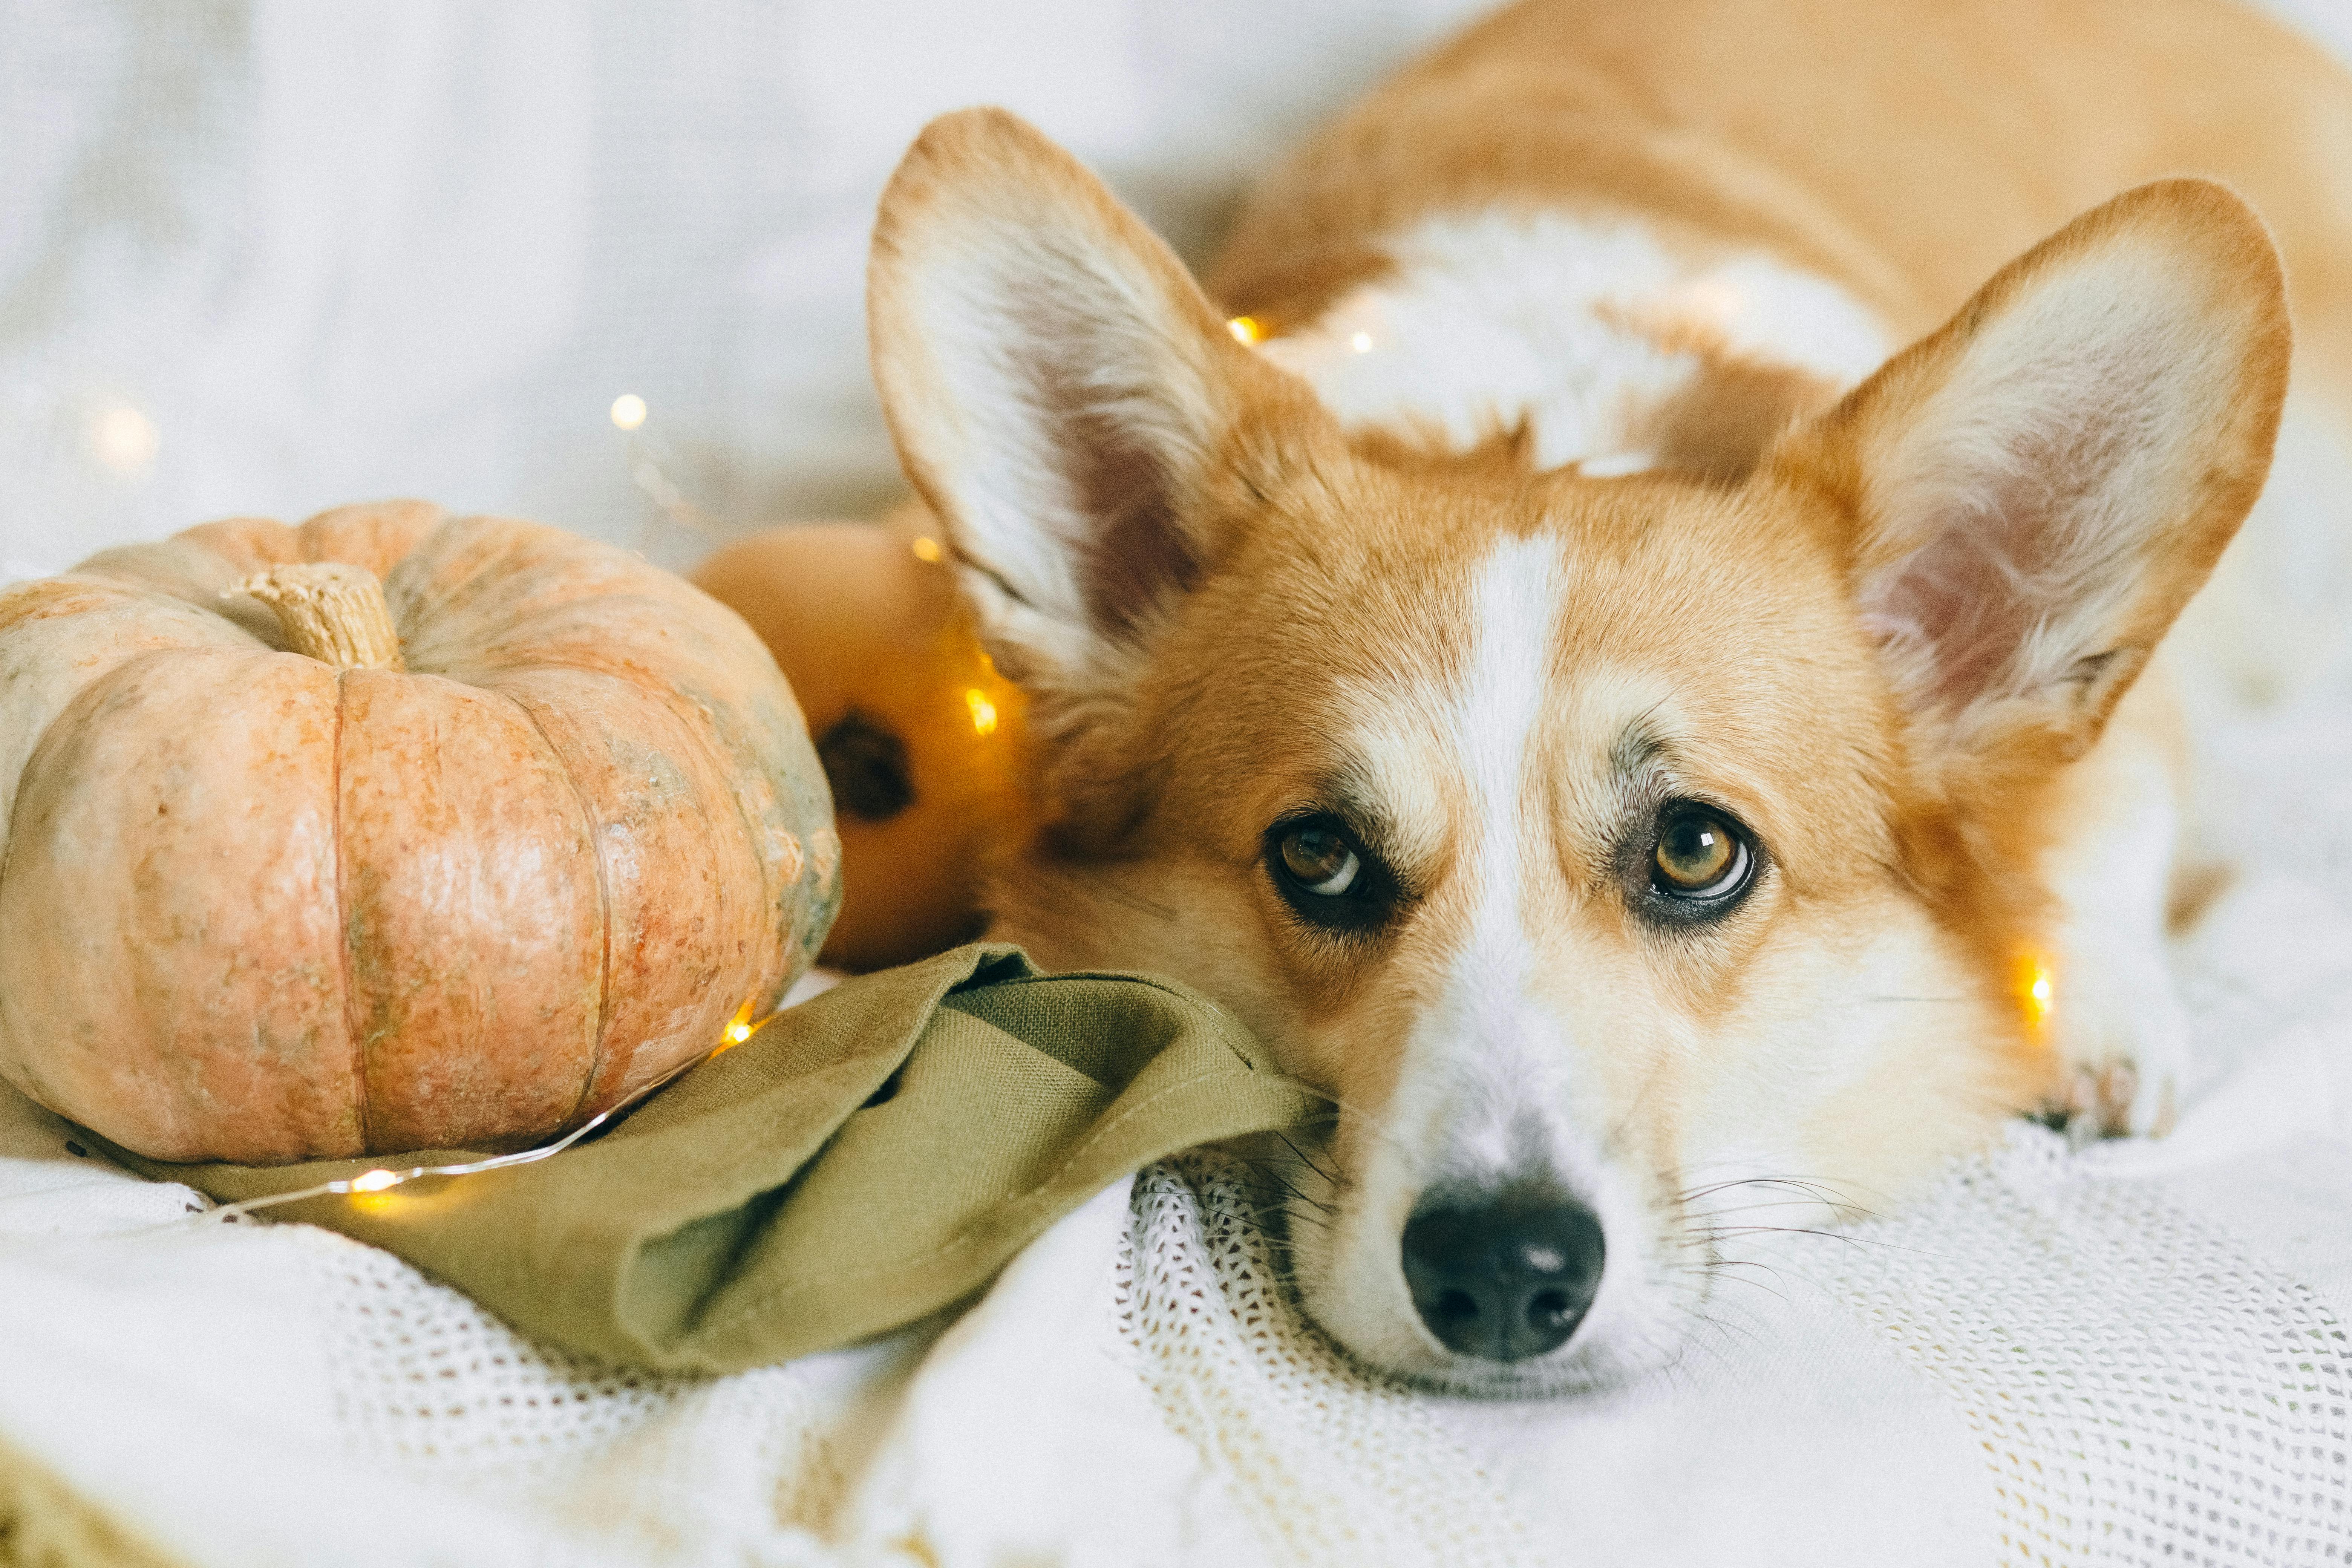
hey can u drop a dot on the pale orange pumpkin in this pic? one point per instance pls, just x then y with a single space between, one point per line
389 831
920 737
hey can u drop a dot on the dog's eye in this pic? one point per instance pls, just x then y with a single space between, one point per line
1699 854
1320 861
1325 875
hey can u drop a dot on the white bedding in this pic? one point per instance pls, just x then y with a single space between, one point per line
320 253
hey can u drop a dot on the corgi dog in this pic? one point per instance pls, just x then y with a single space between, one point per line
1619 632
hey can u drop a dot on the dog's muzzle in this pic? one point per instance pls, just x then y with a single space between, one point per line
1503 1276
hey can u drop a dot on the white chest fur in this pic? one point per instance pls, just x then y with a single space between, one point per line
1580 326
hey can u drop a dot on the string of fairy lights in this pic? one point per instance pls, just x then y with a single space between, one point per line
383 1179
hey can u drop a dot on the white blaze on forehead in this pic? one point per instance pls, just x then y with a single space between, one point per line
1515 603
1424 749
1480 1062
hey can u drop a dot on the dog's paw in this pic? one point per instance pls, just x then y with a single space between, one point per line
2113 1100
2122 1058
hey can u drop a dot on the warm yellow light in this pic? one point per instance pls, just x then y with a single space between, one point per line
2037 989
122 438
628 411
1247 330
738 1030
983 711
1362 343
374 1180
926 549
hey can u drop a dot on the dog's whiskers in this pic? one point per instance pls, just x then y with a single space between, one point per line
1365 1119
1710 1236
1774 1204
1305 1160
1287 1191
1818 1191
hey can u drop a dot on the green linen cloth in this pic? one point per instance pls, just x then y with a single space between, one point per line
863 1160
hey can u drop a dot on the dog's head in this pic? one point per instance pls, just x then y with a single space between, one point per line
1597 844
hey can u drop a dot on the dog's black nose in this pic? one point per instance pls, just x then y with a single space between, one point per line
1505 1277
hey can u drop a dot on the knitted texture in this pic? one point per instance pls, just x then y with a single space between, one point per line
2145 1391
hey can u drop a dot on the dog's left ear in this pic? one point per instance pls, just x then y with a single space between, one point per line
1064 397
2028 497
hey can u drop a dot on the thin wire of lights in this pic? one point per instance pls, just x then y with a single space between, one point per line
739 1028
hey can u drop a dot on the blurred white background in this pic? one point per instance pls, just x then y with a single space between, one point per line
271 255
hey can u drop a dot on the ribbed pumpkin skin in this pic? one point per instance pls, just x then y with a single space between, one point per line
254 907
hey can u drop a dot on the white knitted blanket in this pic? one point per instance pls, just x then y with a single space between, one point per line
2136 1354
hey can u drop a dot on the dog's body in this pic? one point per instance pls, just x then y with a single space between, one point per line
1619 759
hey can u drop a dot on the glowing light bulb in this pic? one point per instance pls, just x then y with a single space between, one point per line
628 411
2037 989
1362 343
738 1030
927 550
983 711
122 438
374 1180
1247 330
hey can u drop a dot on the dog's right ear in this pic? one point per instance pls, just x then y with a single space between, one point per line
1062 394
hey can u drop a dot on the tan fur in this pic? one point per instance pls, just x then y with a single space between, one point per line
1229 608
1907 149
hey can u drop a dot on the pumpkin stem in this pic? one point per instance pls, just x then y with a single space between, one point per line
333 612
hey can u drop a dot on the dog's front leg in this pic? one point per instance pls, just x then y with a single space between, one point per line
2116 1025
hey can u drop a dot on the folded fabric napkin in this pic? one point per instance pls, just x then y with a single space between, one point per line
861 1161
